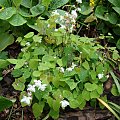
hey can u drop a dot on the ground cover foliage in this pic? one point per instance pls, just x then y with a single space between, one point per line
67 53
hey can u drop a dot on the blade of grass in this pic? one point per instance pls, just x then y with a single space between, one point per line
109 108
115 107
116 81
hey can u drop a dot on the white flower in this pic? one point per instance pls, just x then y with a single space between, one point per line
73 65
37 83
62 69
79 1
74 14
42 87
69 69
56 30
28 43
107 76
31 88
48 25
26 100
78 9
55 13
29 94
64 103
100 76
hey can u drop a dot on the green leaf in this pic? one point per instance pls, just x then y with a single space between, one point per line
115 55
100 12
99 68
114 90
57 3
17 20
26 3
82 105
37 38
19 84
4 103
85 8
42 67
5 40
100 89
94 94
3 63
38 109
112 17
3 55
71 83
118 44
46 3
37 10
86 95
93 74
36 73
74 103
40 51
7 13
16 73
20 63
56 105
90 87
4 3
54 114
50 101
83 74
115 2
29 35
90 18
86 65
59 62
17 2
24 13
67 94
117 9
26 73
12 61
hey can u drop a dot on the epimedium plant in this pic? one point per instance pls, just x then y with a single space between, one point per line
56 68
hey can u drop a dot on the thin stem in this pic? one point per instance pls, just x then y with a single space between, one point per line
10 113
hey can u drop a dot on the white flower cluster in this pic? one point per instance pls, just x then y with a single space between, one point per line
67 21
100 76
31 88
79 1
64 103
69 69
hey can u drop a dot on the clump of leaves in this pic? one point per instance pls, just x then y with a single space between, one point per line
57 68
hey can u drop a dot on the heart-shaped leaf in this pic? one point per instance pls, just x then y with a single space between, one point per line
17 20
4 103
7 13
5 40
